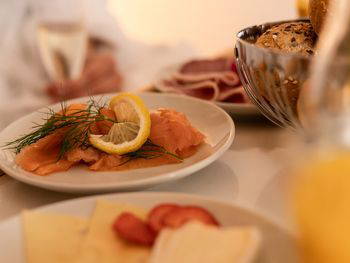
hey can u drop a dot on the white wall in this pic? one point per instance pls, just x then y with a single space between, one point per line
206 25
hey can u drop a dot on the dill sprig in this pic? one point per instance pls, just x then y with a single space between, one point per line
75 128
149 151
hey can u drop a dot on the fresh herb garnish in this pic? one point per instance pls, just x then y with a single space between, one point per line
150 151
75 127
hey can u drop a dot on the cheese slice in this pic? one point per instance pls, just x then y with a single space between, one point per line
102 245
51 237
196 242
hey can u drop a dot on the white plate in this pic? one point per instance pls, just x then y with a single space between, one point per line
236 109
239 109
211 120
277 245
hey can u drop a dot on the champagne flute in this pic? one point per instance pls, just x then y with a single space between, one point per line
62 37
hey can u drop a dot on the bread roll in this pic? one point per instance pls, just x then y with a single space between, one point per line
290 37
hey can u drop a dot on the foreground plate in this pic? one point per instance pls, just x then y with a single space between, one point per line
211 120
277 245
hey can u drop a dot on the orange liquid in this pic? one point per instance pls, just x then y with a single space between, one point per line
322 199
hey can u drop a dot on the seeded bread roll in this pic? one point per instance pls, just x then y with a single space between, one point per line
290 37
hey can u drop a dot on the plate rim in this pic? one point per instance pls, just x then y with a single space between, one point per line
156 195
137 184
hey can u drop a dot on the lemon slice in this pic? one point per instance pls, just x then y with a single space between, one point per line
131 130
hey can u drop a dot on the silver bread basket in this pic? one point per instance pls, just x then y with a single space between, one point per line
272 79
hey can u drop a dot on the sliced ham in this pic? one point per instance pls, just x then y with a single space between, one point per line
236 95
213 80
206 65
226 77
207 90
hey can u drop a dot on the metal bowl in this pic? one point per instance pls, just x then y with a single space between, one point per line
272 79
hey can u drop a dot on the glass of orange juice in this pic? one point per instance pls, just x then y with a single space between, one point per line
321 204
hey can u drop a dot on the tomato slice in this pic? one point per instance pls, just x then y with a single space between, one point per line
177 217
133 229
156 215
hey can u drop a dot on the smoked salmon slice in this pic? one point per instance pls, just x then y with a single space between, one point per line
73 109
103 127
44 152
42 157
121 163
87 155
173 131
107 162
57 166
99 127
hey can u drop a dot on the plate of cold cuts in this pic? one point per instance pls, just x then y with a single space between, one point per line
213 80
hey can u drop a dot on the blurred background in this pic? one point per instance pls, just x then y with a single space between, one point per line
207 26
57 50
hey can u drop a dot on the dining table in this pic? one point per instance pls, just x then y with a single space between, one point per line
252 173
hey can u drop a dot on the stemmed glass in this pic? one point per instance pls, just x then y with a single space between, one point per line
62 37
